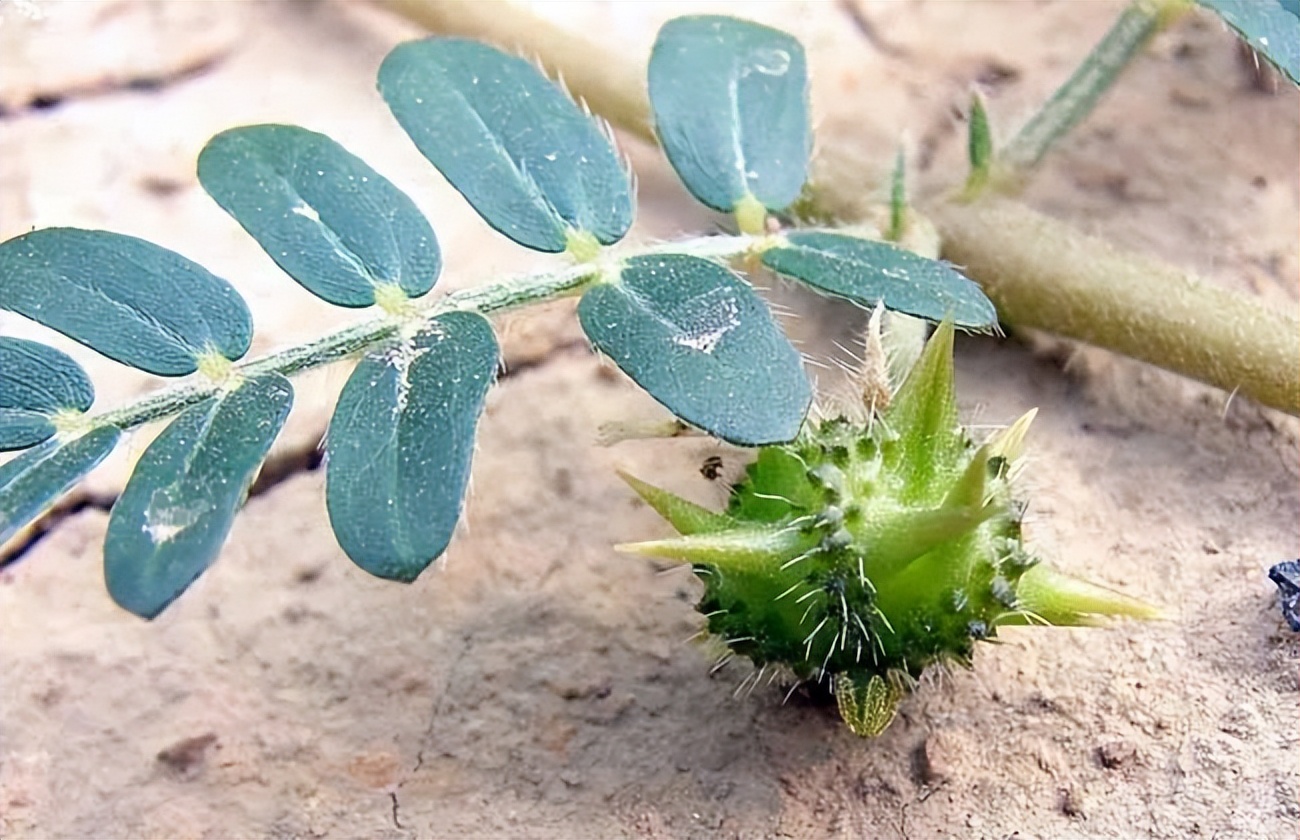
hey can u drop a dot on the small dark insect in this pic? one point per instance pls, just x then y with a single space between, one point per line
712 467
1287 577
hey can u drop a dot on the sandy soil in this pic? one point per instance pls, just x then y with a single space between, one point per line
537 684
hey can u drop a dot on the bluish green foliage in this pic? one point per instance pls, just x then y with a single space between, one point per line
37 382
400 443
171 520
34 480
731 106
867 272
703 344
533 165
129 299
331 222
730 101
1270 27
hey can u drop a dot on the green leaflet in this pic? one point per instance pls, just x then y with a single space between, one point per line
730 102
1270 27
866 272
171 520
533 165
36 382
400 443
330 221
703 344
35 479
133 301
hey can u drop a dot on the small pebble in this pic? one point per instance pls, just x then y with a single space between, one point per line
1113 754
186 756
936 758
1072 803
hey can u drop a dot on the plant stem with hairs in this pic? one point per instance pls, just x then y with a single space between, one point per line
355 338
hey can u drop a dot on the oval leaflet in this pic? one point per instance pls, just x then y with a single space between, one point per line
131 300
37 382
702 343
866 271
171 520
331 222
400 444
34 480
730 101
535 167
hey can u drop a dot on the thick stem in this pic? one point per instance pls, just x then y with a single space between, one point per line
1158 314
1098 71
1042 273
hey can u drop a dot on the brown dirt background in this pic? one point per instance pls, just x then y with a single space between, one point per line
537 684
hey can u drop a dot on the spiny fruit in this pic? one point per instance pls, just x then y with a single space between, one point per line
867 550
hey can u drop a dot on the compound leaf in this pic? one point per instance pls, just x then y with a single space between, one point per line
37 382
34 480
1269 27
132 300
400 443
171 520
330 221
532 164
866 272
703 344
730 102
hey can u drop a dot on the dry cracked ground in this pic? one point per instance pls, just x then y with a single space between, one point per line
539 685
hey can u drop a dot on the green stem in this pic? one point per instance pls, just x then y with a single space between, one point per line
1075 99
354 338
1162 317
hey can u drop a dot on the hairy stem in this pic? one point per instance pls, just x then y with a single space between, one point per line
1158 313
354 338
1095 75
1040 272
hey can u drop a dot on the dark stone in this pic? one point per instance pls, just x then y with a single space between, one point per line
1287 577
1115 754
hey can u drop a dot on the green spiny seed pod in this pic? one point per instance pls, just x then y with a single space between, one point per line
864 552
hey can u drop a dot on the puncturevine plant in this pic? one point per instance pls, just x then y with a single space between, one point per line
860 548
875 546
